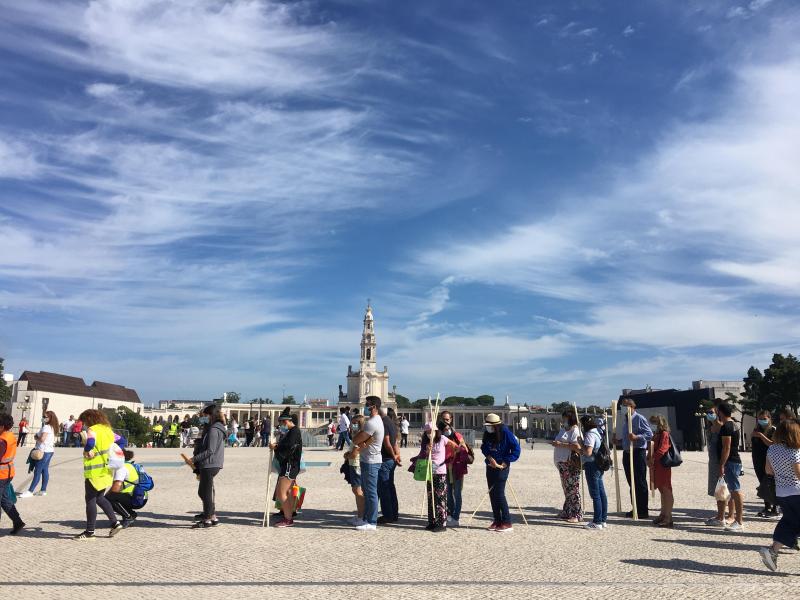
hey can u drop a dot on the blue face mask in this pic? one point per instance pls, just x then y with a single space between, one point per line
711 417
283 428
763 422
355 428
203 420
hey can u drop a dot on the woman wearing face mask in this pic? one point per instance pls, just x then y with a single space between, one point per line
761 440
500 447
458 460
713 427
566 444
354 464
207 462
287 454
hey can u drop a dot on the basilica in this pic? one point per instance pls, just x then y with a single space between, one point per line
367 381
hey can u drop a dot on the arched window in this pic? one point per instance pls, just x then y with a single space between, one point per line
369 354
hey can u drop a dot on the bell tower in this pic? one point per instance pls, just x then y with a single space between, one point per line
368 345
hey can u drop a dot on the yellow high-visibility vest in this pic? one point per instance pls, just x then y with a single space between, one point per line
96 469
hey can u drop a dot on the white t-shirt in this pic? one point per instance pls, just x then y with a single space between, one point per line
46 441
372 453
593 439
344 423
68 426
570 436
120 473
783 460
404 426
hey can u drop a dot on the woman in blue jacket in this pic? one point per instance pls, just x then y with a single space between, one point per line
500 447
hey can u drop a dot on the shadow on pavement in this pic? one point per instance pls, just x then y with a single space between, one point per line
692 566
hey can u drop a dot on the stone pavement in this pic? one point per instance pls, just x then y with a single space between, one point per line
323 557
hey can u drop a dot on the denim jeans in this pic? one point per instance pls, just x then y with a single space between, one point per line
454 497
597 491
369 484
387 493
788 528
496 480
344 438
41 470
65 435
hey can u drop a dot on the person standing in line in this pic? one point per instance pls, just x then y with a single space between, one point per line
96 472
265 431
344 428
636 443
367 444
404 432
77 429
390 460
730 463
500 447
8 451
566 445
662 476
331 432
288 452
354 466
783 463
713 426
67 429
594 476
760 441
208 461
457 458
23 431
45 441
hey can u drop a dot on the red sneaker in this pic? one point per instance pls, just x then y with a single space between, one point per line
504 528
493 526
285 523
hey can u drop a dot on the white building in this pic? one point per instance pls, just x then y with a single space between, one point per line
34 393
367 381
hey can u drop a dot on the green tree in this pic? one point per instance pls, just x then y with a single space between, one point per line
5 391
289 400
559 407
781 384
233 397
402 401
484 400
137 426
420 403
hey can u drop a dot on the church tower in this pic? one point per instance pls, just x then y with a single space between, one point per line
368 345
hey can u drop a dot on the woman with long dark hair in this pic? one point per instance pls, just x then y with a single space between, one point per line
500 447
760 441
592 440
566 446
45 442
208 461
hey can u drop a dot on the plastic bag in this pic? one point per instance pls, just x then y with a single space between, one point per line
721 493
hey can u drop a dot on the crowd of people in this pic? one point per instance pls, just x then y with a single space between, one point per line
372 441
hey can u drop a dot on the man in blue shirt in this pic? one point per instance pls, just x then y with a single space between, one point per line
639 439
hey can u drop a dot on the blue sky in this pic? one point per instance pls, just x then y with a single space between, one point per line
551 200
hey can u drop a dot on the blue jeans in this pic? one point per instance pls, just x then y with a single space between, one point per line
65 435
387 491
597 491
496 480
344 438
369 484
41 469
454 497
788 528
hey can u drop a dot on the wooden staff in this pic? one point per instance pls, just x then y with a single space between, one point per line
616 461
265 520
479 505
630 463
434 416
513 493
580 475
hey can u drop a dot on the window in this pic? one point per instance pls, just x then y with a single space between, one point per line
369 354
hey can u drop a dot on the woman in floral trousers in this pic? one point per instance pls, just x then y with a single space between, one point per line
566 444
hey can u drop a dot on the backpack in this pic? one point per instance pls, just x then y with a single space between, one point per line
602 458
141 487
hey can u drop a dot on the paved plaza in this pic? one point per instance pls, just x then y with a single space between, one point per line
323 557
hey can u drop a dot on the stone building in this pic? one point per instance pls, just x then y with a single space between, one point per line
367 381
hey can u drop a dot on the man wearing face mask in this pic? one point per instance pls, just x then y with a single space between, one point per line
637 442
713 426
457 460
367 444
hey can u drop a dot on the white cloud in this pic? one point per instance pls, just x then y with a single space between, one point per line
17 160
628 31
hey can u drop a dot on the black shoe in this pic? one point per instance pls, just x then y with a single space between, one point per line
199 517
385 521
115 529
439 529
203 524
85 535
17 528
430 527
127 523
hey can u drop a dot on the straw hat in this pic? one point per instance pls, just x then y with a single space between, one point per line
492 419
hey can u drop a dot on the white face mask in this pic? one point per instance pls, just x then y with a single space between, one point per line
489 428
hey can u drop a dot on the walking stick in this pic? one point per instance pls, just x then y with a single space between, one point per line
616 461
265 520
522 512
630 463
479 505
580 475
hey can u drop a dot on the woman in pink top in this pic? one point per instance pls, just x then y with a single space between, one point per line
437 502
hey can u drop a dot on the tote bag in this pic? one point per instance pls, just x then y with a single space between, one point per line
421 471
672 458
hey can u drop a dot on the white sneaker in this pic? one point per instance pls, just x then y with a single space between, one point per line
604 525
40 494
366 527
735 527
26 494
714 522
593 525
451 522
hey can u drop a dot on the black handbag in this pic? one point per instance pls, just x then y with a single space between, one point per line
672 458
